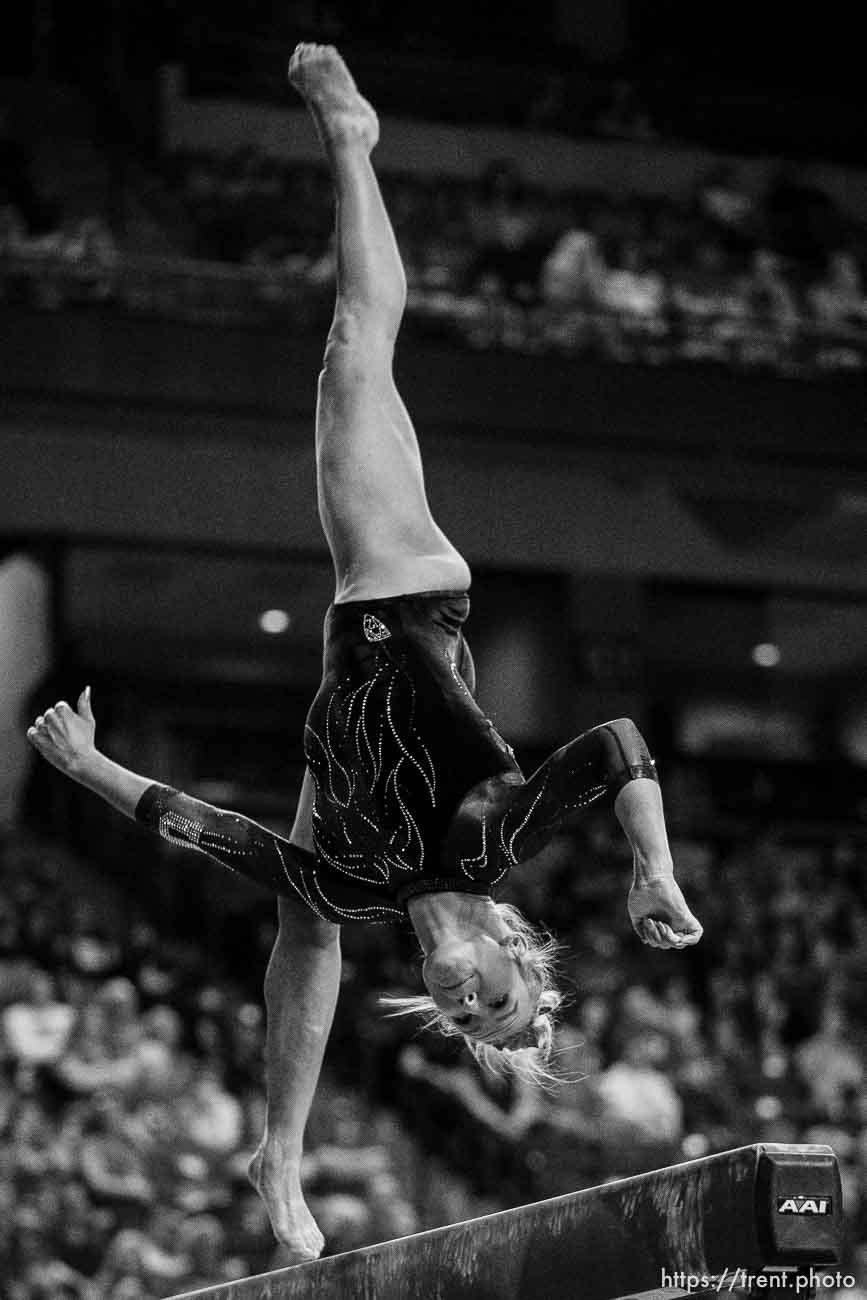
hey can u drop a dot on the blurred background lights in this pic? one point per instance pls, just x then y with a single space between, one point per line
766 654
768 1107
695 1145
274 621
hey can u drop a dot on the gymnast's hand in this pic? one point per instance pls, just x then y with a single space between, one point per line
659 914
278 1181
65 736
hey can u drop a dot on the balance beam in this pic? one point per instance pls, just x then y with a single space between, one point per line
757 1208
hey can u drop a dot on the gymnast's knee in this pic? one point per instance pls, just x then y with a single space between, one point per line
364 330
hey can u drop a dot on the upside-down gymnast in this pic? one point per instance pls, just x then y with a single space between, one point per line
412 807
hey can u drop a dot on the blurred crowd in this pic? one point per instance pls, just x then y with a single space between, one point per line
131 1101
132 1084
771 279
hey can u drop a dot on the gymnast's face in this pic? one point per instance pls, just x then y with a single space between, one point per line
478 984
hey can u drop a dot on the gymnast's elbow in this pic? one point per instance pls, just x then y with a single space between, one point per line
625 729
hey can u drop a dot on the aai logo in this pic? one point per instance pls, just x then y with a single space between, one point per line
803 1205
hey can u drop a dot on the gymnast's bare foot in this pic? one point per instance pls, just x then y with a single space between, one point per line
341 114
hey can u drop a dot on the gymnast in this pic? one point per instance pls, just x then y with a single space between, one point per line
412 808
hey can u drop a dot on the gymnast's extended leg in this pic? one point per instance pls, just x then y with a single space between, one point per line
372 498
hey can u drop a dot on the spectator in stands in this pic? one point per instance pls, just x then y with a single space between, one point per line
704 297
728 210
54 1280
509 1107
633 297
505 223
104 1047
202 1241
210 1120
345 1221
37 1029
80 1233
85 942
573 268
91 254
703 1080
640 1010
165 1257
440 238
163 1066
830 1065
129 1288
637 1098
573 1111
767 294
836 298
209 1039
245 1047
248 1229
682 1018
111 1163
583 1049
391 1210
124 1271
40 1152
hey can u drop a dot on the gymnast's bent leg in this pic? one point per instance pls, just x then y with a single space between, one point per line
372 499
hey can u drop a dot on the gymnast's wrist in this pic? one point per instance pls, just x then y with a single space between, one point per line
89 768
647 871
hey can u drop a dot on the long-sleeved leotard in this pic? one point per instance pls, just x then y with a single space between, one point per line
416 792
260 855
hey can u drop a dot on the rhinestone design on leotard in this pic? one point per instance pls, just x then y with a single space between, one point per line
374 629
256 853
377 775
415 791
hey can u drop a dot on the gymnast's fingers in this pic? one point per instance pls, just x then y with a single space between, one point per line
659 934
38 736
693 936
648 933
53 723
669 938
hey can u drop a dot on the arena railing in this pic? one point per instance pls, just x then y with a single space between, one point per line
218 293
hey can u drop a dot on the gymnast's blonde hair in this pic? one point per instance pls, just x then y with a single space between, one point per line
527 1054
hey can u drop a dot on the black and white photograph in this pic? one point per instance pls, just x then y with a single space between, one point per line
433 651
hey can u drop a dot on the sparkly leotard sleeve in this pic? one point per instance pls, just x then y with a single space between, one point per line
256 853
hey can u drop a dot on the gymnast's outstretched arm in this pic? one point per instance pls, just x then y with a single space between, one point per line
66 738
